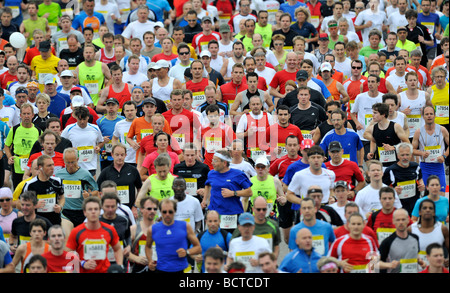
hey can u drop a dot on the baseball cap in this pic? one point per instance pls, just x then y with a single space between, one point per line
302 74
112 100
67 73
205 18
44 46
159 24
77 101
205 53
149 101
341 183
224 28
161 64
334 146
323 37
5 192
306 143
262 161
49 79
75 88
246 218
151 65
326 66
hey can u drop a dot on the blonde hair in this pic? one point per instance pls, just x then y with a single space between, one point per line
44 97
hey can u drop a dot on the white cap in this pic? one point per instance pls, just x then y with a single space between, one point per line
67 73
161 64
77 101
205 53
262 161
326 66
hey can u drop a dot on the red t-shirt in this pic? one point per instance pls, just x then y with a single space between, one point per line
148 145
279 166
382 220
150 158
280 78
57 159
354 250
33 52
353 88
164 57
6 79
93 242
341 231
182 125
214 139
230 90
60 263
426 271
276 136
348 171
201 40
262 84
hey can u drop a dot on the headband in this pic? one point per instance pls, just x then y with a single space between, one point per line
222 157
32 84
236 271
330 265
137 87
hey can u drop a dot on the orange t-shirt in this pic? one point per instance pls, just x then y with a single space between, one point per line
140 128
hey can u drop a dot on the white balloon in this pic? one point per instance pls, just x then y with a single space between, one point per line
17 40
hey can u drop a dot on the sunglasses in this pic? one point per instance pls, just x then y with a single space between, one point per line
354 67
167 212
5 199
150 209
184 53
261 209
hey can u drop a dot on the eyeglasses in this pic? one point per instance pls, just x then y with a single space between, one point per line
150 209
278 44
5 199
354 67
183 53
260 167
329 112
192 20
167 212
261 209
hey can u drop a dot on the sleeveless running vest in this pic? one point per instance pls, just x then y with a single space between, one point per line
258 140
92 78
414 118
432 143
105 58
162 93
198 91
122 96
439 98
246 95
265 189
161 188
387 136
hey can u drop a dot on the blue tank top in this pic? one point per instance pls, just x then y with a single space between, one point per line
167 240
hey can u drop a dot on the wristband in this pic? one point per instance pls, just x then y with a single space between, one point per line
82 263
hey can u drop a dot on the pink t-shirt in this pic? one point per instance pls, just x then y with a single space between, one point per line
149 159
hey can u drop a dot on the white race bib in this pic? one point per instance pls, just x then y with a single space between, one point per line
435 152
228 221
95 249
386 156
408 189
85 154
72 188
124 194
50 201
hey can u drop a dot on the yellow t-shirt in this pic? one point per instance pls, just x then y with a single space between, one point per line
44 67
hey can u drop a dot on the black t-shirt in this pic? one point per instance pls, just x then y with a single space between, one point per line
291 98
289 36
40 122
128 178
326 10
190 32
308 119
20 227
49 191
122 226
199 171
329 215
413 36
73 58
216 77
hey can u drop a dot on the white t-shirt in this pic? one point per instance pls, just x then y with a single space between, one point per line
137 29
9 116
340 211
344 67
142 65
225 48
397 81
303 179
368 200
177 72
106 11
396 20
352 36
270 58
363 107
243 251
189 210
245 167
85 140
378 19
268 74
136 79
120 131
325 21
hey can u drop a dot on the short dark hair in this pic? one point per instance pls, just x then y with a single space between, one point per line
386 189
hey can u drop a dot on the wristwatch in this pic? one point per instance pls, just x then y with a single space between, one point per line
235 193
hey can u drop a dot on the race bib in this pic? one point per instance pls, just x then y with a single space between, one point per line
307 134
181 139
213 144
92 86
111 256
108 147
15 11
408 266
442 111
41 77
288 48
85 154
435 152
318 242
368 119
62 44
315 20
223 19
386 156
72 188
191 186
95 249
198 97
124 194
346 157
245 257
228 221
255 153
23 161
383 233
283 152
362 269
146 132
268 238
413 121
50 201
408 189
53 28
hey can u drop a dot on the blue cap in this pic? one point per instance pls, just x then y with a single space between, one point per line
246 218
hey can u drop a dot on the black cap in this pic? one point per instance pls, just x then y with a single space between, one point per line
149 101
302 74
341 183
112 100
187 73
334 146
44 46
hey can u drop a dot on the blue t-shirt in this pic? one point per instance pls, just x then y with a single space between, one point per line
432 18
321 231
285 7
307 30
325 92
444 22
159 6
58 103
442 208
209 240
107 128
299 259
234 180
79 20
350 141
290 172
4 130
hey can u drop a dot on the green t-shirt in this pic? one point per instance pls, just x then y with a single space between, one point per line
98 42
265 189
30 26
367 50
266 33
161 188
54 11
21 141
